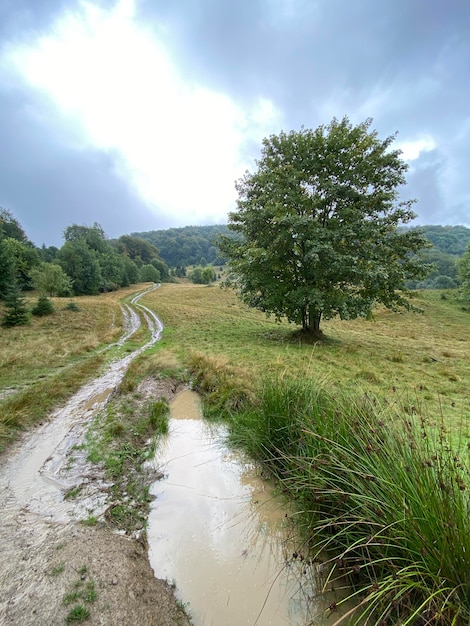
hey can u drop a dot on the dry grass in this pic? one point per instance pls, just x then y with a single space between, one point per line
43 363
420 360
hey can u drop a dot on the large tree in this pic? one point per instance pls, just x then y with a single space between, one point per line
50 279
317 226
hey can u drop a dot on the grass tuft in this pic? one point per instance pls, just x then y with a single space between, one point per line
384 494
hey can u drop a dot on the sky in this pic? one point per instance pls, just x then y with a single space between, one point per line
141 114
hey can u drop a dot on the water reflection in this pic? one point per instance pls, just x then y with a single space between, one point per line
217 531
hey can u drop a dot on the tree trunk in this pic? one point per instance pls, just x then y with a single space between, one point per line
314 318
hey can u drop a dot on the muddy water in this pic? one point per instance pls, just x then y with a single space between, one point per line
218 532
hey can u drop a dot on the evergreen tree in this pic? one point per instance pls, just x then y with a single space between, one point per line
15 313
43 306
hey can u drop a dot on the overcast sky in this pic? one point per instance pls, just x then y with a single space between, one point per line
141 114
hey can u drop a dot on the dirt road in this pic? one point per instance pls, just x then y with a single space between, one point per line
54 567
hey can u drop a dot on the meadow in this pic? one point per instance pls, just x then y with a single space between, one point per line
420 361
46 361
366 431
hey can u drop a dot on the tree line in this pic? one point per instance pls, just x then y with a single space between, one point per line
320 230
88 263
189 245
197 245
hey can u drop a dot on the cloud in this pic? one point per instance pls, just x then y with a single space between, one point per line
49 180
180 144
151 110
411 150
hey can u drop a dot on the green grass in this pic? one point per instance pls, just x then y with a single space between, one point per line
422 359
83 591
58 569
383 495
367 432
79 613
121 439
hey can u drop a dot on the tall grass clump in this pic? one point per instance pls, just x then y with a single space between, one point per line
225 388
385 497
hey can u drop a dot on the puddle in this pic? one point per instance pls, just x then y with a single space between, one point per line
220 535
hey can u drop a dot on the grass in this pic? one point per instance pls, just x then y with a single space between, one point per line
122 439
58 569
44 363
367 431
79 613
422 360
83 591
385 496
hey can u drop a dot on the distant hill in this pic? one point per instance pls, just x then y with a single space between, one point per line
196 245
453 240
449 243
190 245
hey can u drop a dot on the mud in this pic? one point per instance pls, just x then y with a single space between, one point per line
47 554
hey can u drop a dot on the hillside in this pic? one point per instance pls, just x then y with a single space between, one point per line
196 245
190 245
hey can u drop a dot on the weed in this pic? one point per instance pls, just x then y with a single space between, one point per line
58 569
79 613
91 520
71 597
184 607
73 492
158 416
89 592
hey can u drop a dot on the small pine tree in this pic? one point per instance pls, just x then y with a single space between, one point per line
16 312
43 306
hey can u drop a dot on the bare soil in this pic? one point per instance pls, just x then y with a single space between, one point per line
49 567
52 561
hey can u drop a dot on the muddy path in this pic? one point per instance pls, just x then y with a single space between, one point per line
50 561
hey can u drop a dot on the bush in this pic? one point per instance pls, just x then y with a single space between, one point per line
72 306
149 274
43 306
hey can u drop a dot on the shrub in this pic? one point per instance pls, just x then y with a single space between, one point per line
43 306
72 306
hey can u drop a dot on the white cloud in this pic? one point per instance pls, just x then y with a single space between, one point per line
411 150
181 145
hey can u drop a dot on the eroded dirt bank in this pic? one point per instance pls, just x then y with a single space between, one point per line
51 562
45 563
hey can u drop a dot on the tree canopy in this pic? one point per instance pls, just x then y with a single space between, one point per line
318 222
